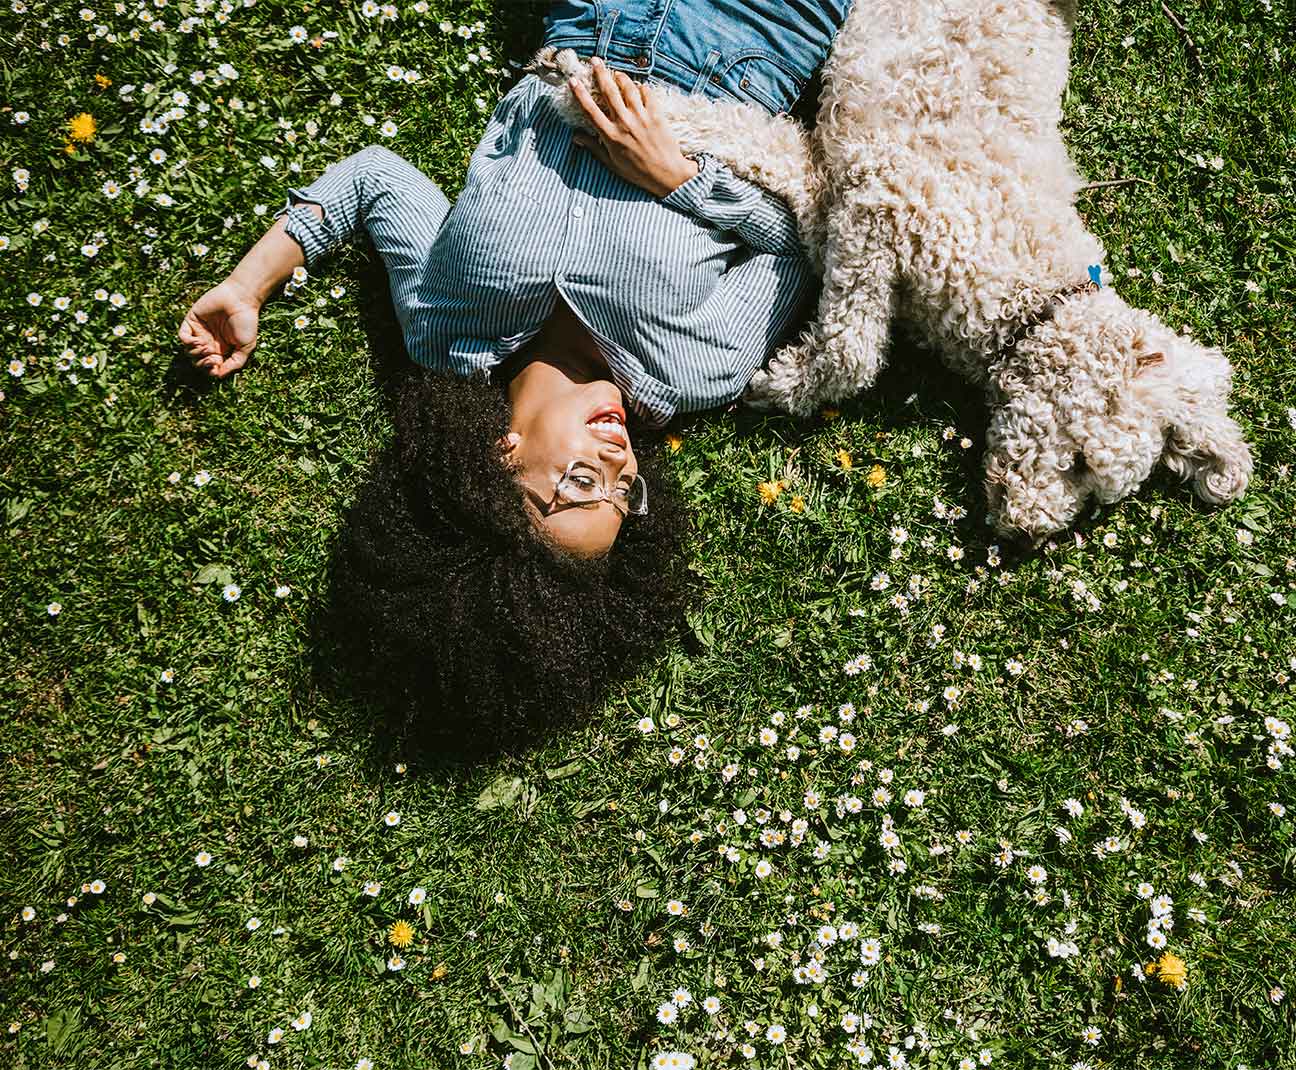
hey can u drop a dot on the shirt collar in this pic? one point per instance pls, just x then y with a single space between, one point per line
652 400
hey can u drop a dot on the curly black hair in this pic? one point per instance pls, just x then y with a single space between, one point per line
456 613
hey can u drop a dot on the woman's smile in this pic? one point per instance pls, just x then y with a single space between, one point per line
608 425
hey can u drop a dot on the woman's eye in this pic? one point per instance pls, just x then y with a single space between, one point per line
584 482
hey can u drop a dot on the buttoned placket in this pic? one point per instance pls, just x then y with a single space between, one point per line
581 211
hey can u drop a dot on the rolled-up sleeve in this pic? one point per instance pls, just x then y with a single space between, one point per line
336 191
717 196
310 233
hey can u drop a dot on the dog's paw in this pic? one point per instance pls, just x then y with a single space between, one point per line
762 394
557 66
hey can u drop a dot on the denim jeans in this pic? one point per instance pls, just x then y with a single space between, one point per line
763 52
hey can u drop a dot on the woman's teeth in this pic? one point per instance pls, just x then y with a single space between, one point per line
613 427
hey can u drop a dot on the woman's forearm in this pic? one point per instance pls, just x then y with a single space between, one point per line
270 262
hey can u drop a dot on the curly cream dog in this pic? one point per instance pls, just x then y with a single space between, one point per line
950 204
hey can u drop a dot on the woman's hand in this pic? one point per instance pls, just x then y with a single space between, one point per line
633 140
220 330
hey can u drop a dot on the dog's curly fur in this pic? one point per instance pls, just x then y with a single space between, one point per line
936 189
951 207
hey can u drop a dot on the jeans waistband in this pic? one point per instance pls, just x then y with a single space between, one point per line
659 65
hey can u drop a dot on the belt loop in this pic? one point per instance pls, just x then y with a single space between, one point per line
712 60
605 35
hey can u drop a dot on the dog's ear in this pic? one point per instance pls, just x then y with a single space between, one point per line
1030 490
1203 443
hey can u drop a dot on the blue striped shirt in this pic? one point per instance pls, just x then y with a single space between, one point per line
686 295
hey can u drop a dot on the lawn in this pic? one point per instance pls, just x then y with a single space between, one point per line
899 796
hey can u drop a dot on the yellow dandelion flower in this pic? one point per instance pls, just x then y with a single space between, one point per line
439 971
1170 970
69 148
401 934
876 476
102 81
769 492
82 127
844 459
798 504
674 442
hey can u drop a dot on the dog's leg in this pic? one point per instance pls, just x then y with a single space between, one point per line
842 352
1031 487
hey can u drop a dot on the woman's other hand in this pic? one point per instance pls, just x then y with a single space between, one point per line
220 330
633 140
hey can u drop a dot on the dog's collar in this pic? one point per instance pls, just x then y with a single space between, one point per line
1047 312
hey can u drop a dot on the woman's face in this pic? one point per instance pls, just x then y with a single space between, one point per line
562 412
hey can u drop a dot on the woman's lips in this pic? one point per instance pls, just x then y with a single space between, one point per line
608 412
608 425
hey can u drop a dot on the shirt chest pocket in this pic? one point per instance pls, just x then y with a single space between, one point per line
486 241
495 164
762 78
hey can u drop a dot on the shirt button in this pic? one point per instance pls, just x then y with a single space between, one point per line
577 212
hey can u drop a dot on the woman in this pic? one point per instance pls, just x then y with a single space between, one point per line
505 561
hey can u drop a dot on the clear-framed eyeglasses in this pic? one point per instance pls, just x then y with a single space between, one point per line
582 484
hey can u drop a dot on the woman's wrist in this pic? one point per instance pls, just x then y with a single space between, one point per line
270 263
247 289
684 170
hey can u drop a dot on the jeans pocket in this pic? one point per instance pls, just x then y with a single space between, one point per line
762 78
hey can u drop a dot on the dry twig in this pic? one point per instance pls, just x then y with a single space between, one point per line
1177 23
1114 182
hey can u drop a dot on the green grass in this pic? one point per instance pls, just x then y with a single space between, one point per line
110 774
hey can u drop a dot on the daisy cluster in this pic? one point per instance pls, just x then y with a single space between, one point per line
849 858
127 167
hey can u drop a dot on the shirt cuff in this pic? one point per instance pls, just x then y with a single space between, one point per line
313 235
693 194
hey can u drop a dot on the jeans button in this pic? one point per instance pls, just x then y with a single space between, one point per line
641 61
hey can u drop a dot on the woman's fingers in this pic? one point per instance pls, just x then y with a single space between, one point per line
629 93
651 103
193 333
592 111
611 91
232 363
187 335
